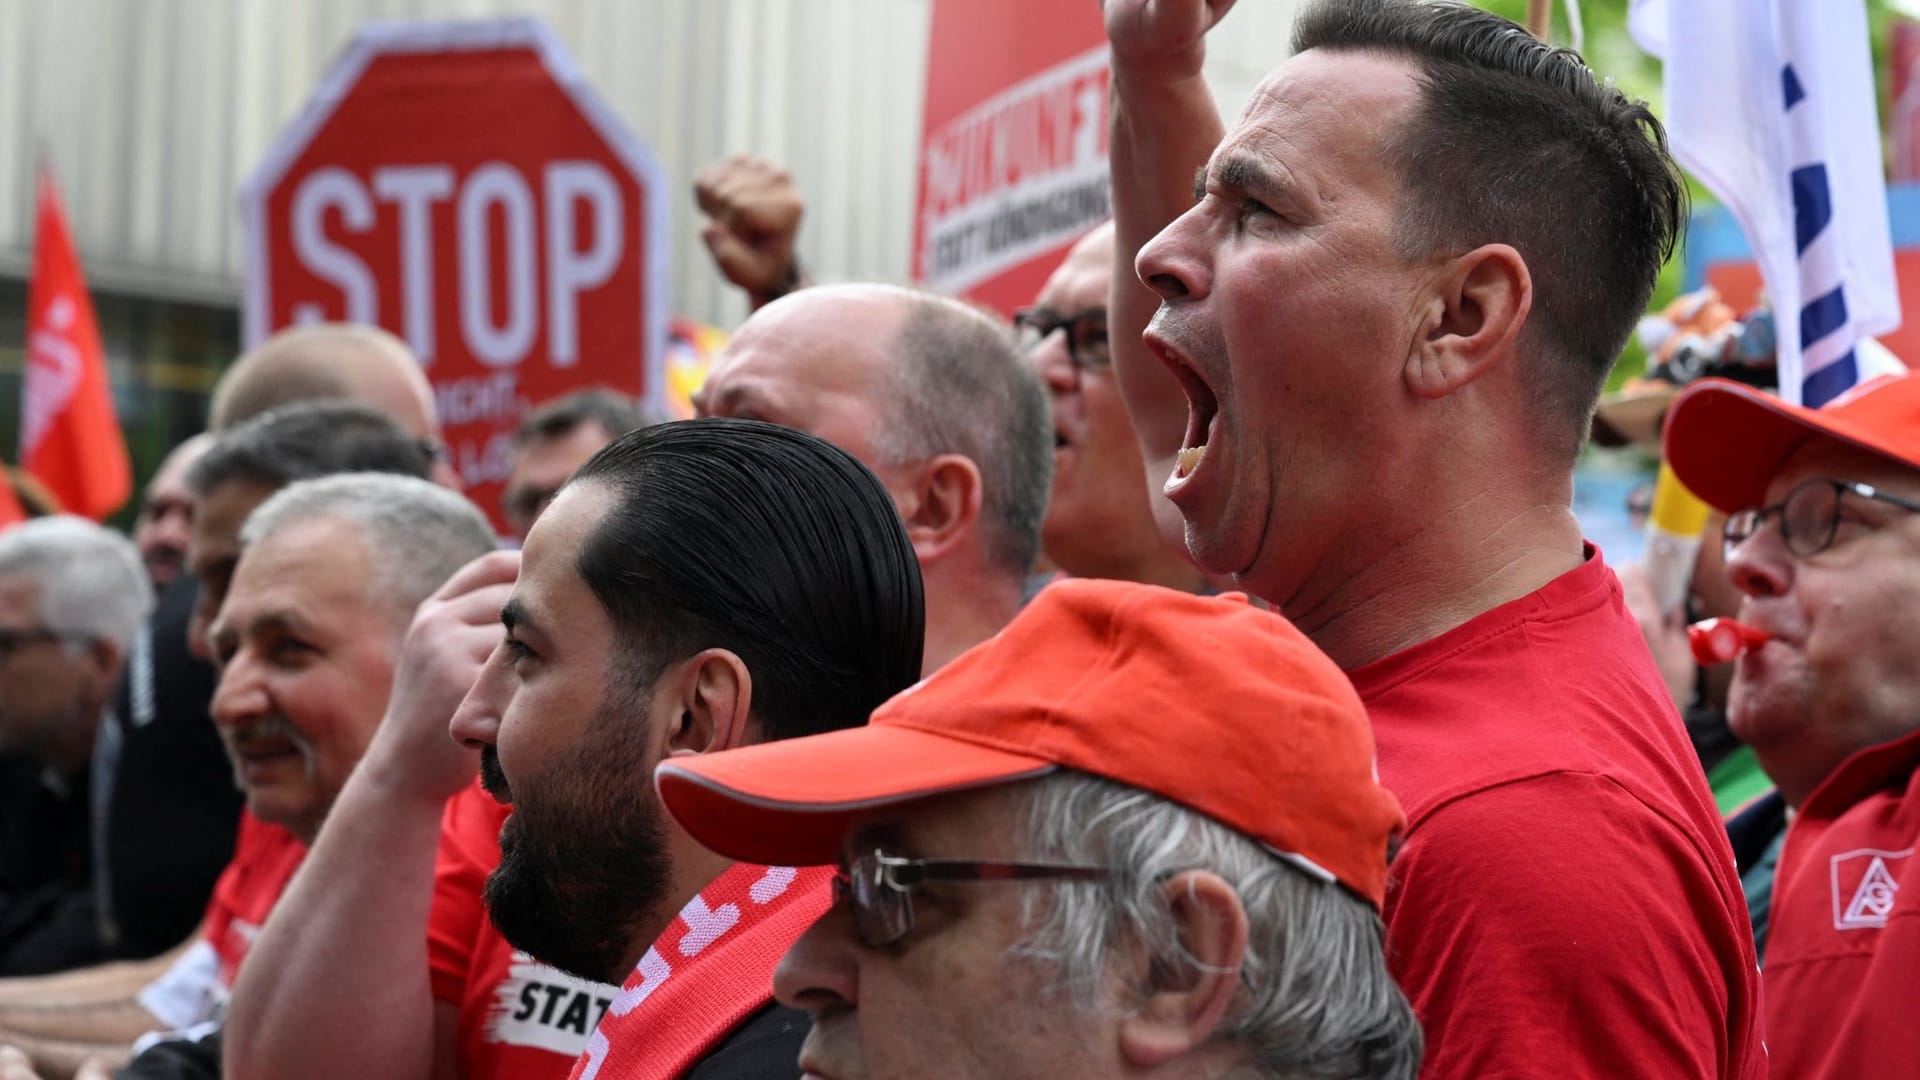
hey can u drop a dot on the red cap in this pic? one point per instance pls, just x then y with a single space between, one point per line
1208 702
1726 441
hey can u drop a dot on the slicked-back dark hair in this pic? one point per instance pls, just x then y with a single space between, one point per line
765 541
1516 142
307 440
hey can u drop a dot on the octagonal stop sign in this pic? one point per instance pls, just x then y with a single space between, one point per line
459 184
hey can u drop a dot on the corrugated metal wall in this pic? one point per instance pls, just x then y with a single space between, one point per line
152 111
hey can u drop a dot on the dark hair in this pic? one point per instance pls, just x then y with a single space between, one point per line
1517 142
616 413
961 386
767 542
300 442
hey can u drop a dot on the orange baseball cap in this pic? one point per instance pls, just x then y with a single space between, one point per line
1726 441
1208 702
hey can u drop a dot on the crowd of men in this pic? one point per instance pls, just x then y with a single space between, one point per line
888 719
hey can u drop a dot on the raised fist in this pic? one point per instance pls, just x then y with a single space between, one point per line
451 636
1162 38
753 213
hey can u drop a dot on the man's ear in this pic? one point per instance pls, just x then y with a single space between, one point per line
1472 322
101 662
716 698
1179 1011
944 506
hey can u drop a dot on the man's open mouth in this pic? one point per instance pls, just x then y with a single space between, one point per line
1202 408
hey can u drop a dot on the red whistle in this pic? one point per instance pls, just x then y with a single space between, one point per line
1721 641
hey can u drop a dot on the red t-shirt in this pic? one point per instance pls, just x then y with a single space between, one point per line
1843 950
195 987
518 1017
265 858
1565 903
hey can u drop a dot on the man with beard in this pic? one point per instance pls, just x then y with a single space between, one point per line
640 556
1384 314
635 572
329 574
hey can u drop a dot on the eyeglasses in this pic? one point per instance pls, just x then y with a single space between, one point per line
1809 515
1086 334
14 640
881 886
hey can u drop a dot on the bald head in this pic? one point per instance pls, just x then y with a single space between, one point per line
328 360
895 376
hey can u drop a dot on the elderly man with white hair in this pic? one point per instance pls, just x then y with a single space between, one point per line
72 595
329 574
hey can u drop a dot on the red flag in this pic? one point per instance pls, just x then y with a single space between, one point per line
11 512
69 436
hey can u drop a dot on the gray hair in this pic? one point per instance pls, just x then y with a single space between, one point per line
961 386
1318 1001
416 533
615 413
92 583
306 440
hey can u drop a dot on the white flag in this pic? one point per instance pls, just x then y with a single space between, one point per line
1770 103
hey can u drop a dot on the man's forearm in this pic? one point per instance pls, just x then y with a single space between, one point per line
1162 131
111 1023
59 1060
105 982
365 890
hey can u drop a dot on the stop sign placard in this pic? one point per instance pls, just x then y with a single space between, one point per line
459 184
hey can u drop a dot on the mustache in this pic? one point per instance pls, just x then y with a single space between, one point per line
492 777
243 738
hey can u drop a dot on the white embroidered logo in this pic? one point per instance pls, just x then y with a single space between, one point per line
1865 887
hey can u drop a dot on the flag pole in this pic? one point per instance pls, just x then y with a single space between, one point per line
1540 18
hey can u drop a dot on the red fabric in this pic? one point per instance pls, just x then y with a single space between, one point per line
710 970
1843 947
1565 903
69 435
11 512
264 860
518 1017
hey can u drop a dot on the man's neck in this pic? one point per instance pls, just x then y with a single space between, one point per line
70 754
1150 563
964 609
1440 575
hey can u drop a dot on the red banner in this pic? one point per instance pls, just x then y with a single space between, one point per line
1013 163
69 434
461 185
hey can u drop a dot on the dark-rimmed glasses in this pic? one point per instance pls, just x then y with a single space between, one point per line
1086 333
880 887
13 639
1809 515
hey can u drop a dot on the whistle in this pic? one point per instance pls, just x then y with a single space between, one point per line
1721 641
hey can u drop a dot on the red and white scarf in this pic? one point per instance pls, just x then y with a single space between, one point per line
710 970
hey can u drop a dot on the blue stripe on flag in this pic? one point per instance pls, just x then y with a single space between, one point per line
1822 316
1812 203
1830 382
1790 86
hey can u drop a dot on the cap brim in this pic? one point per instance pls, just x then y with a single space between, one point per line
1726 440
790 803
